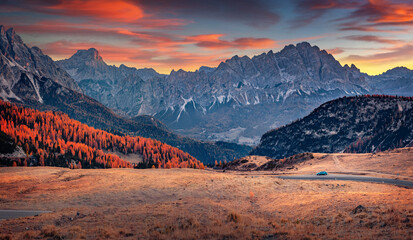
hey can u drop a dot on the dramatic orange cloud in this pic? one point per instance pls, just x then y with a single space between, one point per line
384 12
368 15
147 39
122 11
213 41
372 38
152 48
379 13
335 51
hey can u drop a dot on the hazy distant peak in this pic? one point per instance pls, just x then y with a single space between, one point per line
398 71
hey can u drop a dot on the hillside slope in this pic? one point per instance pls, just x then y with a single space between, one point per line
356 124
54 139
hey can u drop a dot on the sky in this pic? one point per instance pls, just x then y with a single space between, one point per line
375 35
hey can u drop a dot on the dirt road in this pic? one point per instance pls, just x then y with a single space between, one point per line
341 177
8 214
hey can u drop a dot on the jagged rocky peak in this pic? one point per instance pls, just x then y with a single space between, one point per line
87 64
351 68
4 42
179 73
12 46
206 69
123 66
398 71
305 45
90 54
20 63
12 36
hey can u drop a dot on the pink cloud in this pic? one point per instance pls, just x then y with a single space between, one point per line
119 10
214 41
163 60
392 54
372 38
335 51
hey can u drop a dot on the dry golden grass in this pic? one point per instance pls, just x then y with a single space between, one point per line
197 204
397 163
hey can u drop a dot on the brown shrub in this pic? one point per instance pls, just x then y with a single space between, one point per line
50 231
30 235
233 217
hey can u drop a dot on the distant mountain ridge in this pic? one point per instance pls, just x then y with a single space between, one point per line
242 97
396 81
350 124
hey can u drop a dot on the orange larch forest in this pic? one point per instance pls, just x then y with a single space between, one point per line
54 139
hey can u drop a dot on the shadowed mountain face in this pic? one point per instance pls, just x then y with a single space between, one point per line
240 99
33 79
351 124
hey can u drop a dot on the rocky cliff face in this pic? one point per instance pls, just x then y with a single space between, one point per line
237 101
21 68
352 124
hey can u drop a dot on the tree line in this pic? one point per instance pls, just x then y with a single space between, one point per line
54 139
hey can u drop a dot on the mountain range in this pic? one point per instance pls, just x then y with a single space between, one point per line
31 78
348 124
236 101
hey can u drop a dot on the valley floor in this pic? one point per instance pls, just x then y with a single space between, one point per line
393 164
197 204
